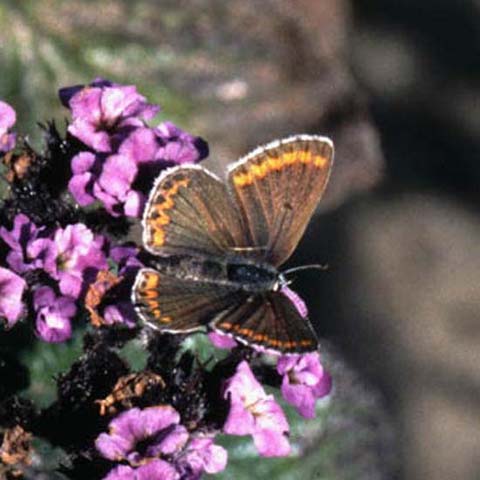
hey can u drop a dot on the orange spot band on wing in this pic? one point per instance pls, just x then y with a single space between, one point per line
151 281
260 170
159 217
264 339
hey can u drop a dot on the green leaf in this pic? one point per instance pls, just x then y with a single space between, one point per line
45 362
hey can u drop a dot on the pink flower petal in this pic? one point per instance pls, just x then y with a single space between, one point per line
244 386
271 443
324 386
86 104
239 420
269 415
114 447
141 145
222 341
134 204
8 117
301 397
79 186
203 455
82 162
11 291
117 176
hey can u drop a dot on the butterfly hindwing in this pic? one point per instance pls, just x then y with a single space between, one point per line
269 320
277 188
178 305
190 212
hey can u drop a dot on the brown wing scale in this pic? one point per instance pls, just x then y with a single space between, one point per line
268 320
277 188
190 212
178 305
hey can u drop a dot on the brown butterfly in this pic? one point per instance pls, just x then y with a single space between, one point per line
219 244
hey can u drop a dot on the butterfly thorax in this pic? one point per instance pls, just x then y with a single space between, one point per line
233 271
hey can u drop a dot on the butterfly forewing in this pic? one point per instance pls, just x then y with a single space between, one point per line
180 305
190 212
268 320
277 188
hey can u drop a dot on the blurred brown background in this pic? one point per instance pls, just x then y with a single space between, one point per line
396 84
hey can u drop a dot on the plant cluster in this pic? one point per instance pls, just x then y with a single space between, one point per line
67 264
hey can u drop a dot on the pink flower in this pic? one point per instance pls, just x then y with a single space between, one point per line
128 154
108 179
18 239
8 118
304 380
155 429
85 167
113 186
53 315
202 455
178 147
11 291
103 113
163 146
121 180
73 254
253 412
153 470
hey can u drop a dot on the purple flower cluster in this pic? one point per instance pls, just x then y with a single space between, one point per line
152 444
119 146
156 446
68 256
69 260
254 412
115 156
8 118
56 272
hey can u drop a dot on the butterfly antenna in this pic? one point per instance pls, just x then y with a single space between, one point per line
313 266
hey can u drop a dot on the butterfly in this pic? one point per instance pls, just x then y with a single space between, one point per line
218 245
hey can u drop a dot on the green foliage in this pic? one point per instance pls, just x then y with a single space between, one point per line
204 351
135 355
41 54
45 362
